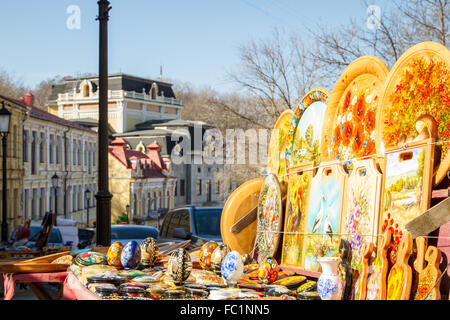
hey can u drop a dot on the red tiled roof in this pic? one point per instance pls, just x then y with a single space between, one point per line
15 101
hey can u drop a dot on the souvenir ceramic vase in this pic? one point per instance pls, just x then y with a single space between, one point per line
179 266
149 252
268 271
204 256
114 253
232 267
218 255
329 285
131 255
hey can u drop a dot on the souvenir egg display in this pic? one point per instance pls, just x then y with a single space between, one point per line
90 258
179 266
114 253
218 255
204 256
268 270
131 255
232 267
149 252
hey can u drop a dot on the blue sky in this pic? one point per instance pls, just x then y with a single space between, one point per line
195 40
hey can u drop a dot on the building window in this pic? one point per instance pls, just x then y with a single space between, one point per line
199 169
86 90
42 203
52 144
74 152
176 189
85 153
217 187
58 150
66 151
79 152
25 146
74 199
26 202
42 148
182 184
199 187
33 153
33 204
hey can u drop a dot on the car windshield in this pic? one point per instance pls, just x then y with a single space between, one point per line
207 223
55 235
132 233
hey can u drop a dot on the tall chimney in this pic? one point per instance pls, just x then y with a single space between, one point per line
29 99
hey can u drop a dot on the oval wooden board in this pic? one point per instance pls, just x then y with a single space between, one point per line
393 86
277 147
364 77
240 202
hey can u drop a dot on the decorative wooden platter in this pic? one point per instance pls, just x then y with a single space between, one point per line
277 146
305 131
349 124
326 204
429 277
376 282
418 84
242 201
297 205
361 284
269 218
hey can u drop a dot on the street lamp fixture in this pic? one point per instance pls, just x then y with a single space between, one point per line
87 196
55 180
5 119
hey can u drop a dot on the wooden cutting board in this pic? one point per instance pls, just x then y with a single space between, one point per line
349 124
429 277
243 200
414 88
406 188
360 218
376 282
326 204
400 277
297 205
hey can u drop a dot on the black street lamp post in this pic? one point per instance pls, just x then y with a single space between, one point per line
5 117
87 195
55 180
103 196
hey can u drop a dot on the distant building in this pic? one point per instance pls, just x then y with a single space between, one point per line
139 181
131 100
14 162
197 184
55 145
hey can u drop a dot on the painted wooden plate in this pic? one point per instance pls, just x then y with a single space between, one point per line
418 84
303 141
239 203
277 146
269 218
350 119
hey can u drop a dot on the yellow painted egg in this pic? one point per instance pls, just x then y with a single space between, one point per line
204 256
114 253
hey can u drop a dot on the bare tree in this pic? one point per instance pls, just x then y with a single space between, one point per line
10 86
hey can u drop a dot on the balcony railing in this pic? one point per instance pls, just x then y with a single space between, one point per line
117 94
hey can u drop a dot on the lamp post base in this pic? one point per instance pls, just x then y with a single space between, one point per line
103 224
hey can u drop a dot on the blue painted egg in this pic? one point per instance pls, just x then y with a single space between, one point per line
131 255
232 267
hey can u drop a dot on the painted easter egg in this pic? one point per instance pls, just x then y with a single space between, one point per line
232 267
179 266
114 253
204 256
247 259
218 255
268 270
149 252
131 255
90 258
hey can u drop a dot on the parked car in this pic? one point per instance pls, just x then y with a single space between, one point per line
199 224
126 233
85 237
55 236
